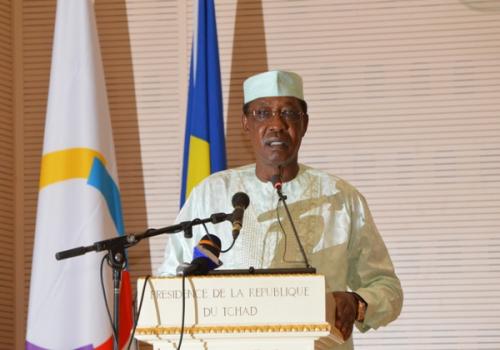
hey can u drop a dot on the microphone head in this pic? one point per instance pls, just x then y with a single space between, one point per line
205 255
211 243
240 200
276 181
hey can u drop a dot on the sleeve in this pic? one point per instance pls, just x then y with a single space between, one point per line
371 273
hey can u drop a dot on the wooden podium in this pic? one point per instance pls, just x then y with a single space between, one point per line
242 312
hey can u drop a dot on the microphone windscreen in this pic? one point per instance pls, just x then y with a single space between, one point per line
206 254
211 243
204 260
240 200
205 257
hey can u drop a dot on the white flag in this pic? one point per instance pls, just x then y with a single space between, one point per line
79 201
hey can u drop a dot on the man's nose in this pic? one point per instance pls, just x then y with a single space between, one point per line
276 122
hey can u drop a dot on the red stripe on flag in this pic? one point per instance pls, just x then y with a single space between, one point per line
107 345
126 314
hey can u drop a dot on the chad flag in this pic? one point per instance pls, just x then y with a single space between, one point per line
204 146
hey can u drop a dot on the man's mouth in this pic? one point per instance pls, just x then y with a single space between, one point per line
276 143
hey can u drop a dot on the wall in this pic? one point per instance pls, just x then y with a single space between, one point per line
404 103
7 202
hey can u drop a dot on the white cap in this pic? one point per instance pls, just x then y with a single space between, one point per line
272 84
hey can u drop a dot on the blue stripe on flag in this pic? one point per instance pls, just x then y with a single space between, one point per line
204 111
100 178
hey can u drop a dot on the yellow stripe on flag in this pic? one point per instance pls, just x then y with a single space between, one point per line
67 164
198 163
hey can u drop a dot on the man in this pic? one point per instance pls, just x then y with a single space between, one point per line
332 218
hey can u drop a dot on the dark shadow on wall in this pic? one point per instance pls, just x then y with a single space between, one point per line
112 24
249 57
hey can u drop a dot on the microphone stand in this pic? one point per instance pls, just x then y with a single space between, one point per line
117 257
282 197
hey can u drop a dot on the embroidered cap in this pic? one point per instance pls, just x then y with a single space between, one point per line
272 84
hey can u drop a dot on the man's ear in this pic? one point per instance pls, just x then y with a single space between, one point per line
306 123
244 122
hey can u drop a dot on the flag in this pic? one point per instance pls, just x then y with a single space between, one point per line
204 145
78 200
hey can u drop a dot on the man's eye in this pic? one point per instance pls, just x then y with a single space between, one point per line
289 114
262 113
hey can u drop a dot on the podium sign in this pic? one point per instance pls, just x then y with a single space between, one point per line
256 312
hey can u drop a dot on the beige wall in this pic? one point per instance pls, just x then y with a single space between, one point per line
404 102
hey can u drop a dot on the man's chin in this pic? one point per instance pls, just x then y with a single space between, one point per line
277 159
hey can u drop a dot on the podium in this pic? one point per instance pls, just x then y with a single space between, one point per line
242 312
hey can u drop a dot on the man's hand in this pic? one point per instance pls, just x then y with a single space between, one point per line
345 312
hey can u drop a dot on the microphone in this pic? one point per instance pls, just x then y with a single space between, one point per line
240 203
276 181
205 257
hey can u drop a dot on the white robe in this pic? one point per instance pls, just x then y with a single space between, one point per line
334 224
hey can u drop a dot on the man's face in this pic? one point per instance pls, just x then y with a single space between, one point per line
275 126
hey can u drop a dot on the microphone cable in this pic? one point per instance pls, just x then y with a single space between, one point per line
240 201
285 236
230 247
183 313
136 315
136 318
115 336
211 240
276 181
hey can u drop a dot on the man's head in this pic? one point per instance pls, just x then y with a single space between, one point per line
275 118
